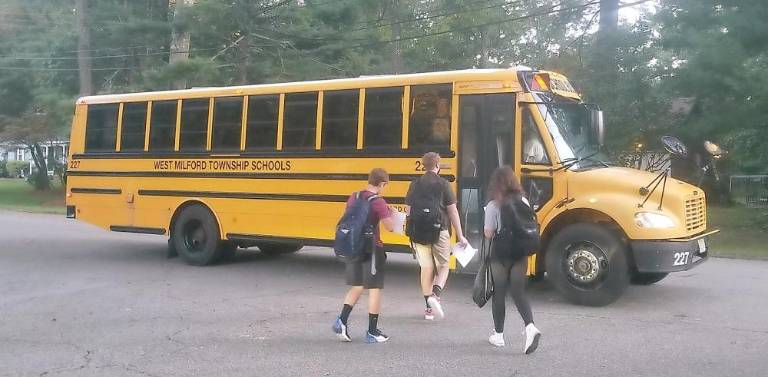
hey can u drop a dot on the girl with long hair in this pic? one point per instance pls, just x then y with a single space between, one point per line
508 275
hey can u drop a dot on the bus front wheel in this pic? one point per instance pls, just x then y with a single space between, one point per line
587 263
196 236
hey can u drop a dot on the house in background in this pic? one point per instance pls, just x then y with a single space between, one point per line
55 150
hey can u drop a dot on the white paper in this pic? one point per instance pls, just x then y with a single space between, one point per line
399 220
464 254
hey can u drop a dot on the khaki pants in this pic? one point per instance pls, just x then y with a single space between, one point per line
434 255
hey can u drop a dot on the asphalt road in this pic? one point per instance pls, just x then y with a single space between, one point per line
79 301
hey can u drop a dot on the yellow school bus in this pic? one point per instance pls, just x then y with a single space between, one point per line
272 165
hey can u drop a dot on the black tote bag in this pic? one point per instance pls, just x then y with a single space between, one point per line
482 290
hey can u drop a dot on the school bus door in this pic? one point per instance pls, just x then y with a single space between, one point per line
486 141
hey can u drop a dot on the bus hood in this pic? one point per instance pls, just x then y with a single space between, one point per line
616 191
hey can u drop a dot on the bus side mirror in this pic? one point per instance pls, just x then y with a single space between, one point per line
596 126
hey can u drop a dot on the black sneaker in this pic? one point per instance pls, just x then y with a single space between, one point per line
376 337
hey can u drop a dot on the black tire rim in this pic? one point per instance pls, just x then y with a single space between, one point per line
586 265
195 237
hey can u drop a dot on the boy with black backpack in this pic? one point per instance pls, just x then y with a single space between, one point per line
358 244
431 207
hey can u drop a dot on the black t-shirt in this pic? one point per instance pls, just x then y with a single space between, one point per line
436 187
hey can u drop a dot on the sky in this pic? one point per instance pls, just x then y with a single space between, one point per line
631 14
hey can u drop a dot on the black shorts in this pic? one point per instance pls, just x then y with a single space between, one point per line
360 273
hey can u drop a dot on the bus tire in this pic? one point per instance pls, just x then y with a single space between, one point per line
587 263
274 248
647 278
196 236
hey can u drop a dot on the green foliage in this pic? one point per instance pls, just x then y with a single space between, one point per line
3 172
709 51
13 168
720 48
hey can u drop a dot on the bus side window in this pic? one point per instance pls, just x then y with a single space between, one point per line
261 130
383 117
101 128
162 126
194 124
340 119
533 146
470 132
134 127
300 120
430 116
227 123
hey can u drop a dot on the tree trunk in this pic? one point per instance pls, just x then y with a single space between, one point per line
605 59
243 52
83 47
484 49
180 42
397 52
40 178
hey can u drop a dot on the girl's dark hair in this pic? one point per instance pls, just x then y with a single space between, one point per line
503 184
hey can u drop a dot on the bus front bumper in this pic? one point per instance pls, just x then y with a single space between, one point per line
670 255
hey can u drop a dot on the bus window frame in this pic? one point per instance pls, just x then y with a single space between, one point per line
222 100
147 113
377 148
529 109
312 144
324 129
250 127
94 107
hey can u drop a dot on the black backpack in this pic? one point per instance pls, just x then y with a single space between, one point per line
424 221
354 233
519 236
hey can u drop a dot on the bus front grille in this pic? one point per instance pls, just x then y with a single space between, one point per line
695 213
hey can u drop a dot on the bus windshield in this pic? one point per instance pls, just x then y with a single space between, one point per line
568 123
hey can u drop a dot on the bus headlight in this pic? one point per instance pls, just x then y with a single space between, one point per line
653 220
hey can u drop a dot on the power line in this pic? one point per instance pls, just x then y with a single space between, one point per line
424 18
499 22
104 56
551 10
59 69
415 19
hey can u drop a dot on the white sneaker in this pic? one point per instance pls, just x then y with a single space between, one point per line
532 336
434 303
497 339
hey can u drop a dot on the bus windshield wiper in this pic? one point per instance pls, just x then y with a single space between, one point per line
566 164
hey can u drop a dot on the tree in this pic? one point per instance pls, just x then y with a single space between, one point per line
719 59
83 48
31 129
180 40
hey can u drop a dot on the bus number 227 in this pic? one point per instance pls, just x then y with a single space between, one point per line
681 259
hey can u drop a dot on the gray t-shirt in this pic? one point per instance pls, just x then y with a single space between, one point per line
493 216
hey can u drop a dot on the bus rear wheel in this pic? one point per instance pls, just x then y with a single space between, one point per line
196 238
587 263
647 278
274 248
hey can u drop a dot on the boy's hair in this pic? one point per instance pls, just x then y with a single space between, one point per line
430 160
377 176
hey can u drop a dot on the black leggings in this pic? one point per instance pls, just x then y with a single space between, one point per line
510 279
